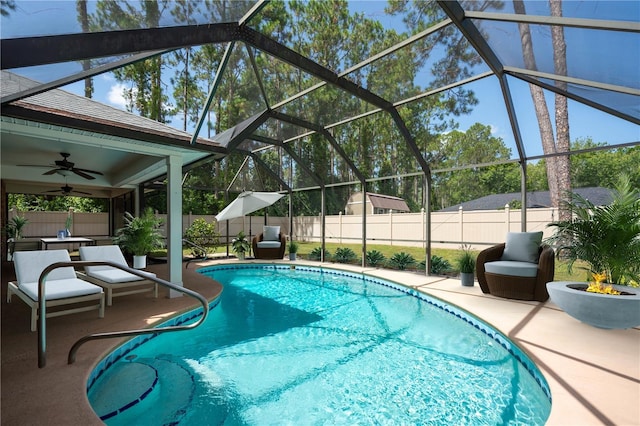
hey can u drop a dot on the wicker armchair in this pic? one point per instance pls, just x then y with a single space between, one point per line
516 287
268 252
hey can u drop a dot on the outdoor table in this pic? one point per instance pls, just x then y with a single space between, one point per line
44 242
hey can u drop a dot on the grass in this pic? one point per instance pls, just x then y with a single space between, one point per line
561 270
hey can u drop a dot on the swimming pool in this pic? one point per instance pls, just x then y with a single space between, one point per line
320 346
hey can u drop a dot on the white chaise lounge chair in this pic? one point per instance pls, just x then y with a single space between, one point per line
111 278
62 286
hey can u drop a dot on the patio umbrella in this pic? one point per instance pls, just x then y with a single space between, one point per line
248 202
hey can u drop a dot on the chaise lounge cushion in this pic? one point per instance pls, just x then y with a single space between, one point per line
111 253
61 283
522 246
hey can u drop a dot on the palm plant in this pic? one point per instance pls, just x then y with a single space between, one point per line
345 255
607 238
140 235
402 260
375 258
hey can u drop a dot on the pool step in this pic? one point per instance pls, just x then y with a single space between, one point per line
123 397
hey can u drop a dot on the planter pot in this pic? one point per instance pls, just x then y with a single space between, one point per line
467 279
292 256
140 262
240 255
599 310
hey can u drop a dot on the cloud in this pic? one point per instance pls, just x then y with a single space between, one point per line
115 96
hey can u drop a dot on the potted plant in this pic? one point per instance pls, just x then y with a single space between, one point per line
466 263
607 240
240 245
13 229
139 236
293 249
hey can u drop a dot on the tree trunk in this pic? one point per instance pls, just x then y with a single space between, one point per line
563 141
557 167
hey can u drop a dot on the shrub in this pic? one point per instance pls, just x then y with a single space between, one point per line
345 255
203 234
402 260
316 254
439 265
375 258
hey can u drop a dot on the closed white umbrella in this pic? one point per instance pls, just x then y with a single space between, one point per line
248 202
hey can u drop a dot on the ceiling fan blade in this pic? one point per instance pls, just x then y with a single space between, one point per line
53 190
35 165
88 171
83 174
50 172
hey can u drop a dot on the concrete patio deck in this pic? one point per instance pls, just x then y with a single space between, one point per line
594 374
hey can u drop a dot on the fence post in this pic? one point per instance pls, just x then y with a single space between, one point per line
391 227
422 226
340 227
508 218
461 222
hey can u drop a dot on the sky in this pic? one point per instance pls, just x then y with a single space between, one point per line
59 17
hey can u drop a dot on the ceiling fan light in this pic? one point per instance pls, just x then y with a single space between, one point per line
64 173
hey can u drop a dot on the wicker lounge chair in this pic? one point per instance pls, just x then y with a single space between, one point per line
116 282
270 244
522 278
62 287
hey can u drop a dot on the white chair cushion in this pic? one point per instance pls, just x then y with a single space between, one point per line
60 289
110 253
510 267
522 246
30 264
115 276
271 233
268 244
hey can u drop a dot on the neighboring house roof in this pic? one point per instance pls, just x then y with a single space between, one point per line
597 195
387 202
81 112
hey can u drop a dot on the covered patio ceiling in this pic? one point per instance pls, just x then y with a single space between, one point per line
602 80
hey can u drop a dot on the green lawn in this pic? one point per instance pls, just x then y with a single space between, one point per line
561 272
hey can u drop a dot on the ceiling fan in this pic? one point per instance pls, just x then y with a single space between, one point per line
64 166
68 190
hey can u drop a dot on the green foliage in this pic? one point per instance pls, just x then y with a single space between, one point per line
48 203
13 229
316 254
466 260
293 246
345 255
203 234
375 258
240 244
439 265
607 238
402 261
140 235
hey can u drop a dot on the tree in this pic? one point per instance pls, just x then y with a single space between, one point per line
145 94
83 19
557 167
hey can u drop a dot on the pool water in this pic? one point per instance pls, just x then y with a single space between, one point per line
311 346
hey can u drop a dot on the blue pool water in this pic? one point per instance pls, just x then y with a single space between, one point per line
311 346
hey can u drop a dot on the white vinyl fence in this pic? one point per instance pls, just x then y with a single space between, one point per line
477 228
